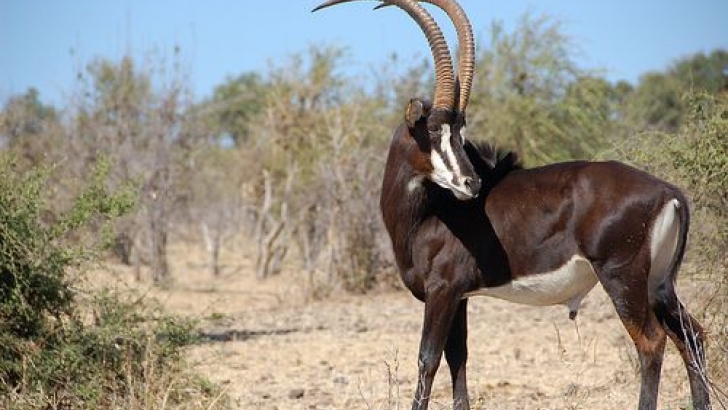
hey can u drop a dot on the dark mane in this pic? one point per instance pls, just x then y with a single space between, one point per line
491 162
493 154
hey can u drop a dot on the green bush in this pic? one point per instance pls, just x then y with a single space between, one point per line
695 158
59 346
37 245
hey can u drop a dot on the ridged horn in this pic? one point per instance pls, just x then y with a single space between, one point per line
444 98
466 46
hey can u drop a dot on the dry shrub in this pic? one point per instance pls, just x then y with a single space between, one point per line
317 149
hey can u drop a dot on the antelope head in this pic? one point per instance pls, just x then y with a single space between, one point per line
435 131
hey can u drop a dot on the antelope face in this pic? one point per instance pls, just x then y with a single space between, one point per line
442 140
451 168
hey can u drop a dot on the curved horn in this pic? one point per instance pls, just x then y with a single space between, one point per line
466 44
444 82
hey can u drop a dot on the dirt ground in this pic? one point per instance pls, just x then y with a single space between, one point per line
272 349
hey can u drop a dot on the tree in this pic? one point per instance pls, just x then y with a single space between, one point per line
143 130
703 73
234 105
530 94
658 102
316 171
216 204
25 124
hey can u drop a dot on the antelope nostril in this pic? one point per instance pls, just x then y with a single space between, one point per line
473 184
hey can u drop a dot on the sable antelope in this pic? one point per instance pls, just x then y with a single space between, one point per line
467 220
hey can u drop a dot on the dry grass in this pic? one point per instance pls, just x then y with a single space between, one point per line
284 351
162 387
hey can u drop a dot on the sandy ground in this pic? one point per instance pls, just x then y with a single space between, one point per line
282 352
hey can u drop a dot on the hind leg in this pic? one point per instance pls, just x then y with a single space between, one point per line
649 340
629 296
687 334
650 350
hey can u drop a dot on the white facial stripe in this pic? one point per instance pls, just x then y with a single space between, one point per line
446 149
463 131
440 171
446 170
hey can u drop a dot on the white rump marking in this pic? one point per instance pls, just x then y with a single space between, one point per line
567 285
663 240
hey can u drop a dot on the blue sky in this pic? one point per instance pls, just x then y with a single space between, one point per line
43 43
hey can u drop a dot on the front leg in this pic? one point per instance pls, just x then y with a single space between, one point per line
441 304
456 354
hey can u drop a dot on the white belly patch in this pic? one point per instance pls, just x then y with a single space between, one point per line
567 285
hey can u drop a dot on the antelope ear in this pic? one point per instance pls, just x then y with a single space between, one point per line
414 112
